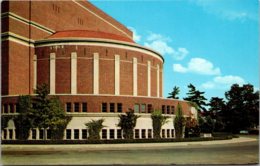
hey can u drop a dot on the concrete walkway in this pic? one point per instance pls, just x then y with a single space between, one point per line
132 146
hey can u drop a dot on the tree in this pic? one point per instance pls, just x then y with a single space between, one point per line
94 128
127 123
192 128
175 92
158 121
206 124
242 108
179 122
196 97
48 112
25 119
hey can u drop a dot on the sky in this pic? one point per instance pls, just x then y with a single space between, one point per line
211 44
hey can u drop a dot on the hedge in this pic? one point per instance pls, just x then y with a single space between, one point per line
115 141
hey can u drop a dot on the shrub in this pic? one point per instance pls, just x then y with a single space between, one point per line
94 128
158 121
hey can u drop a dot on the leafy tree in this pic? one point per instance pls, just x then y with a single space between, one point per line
179 122
48 112
196 97
94 128
158 121
242 108
25 119
206 124
127 123
175 92
192 128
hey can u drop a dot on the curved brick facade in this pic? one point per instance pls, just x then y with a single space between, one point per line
90 62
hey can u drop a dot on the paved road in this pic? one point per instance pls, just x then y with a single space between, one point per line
237 152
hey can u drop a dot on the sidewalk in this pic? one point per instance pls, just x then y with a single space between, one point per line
134 146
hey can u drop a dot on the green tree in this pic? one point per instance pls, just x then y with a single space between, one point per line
158 121
25 119
192 128
179 122
242 108
94 127
48 112
206 124
127 123
196 96
175 92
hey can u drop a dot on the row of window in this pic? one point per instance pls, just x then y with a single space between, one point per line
112 107
76 107
9 108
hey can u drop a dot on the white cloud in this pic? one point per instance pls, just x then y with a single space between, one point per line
160 44
198 66
223 82
136 36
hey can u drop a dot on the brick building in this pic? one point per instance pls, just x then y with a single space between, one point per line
90 62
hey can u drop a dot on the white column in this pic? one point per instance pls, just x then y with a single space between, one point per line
108 133
72 134
65 134
30 135
52 73
117 75
96 74
37 134
148 78
7 134
14 134
115 133
35 71
73 69
135 76
80 134
158 81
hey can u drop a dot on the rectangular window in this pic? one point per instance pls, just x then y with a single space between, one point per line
68 134
84 107
150 108
119 134
137 133
168 133
172 109
143 108
68 107
112 134
163 109
104 133
136 108
173 135
149 133
76 133
168 109
84 133
11 108
143 133
76 107
41 134
5 108
11 134
112 107
163 133
119 107
104 107
48 132
33 133
5 133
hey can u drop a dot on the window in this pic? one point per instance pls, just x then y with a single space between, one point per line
68 107
163 109
136 108
11 134
172 109
84 107
41 133
5 133
168 133
68 134
119 107
143 106
173 135
33 133
137 133
112 134
84 133
150 108
104 107
163 133
149 133
168 109
119 134
143 133
112 107
5 108
76 133
11 108
76 107
104 134
48 132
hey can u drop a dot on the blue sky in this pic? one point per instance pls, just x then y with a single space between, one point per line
209 43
